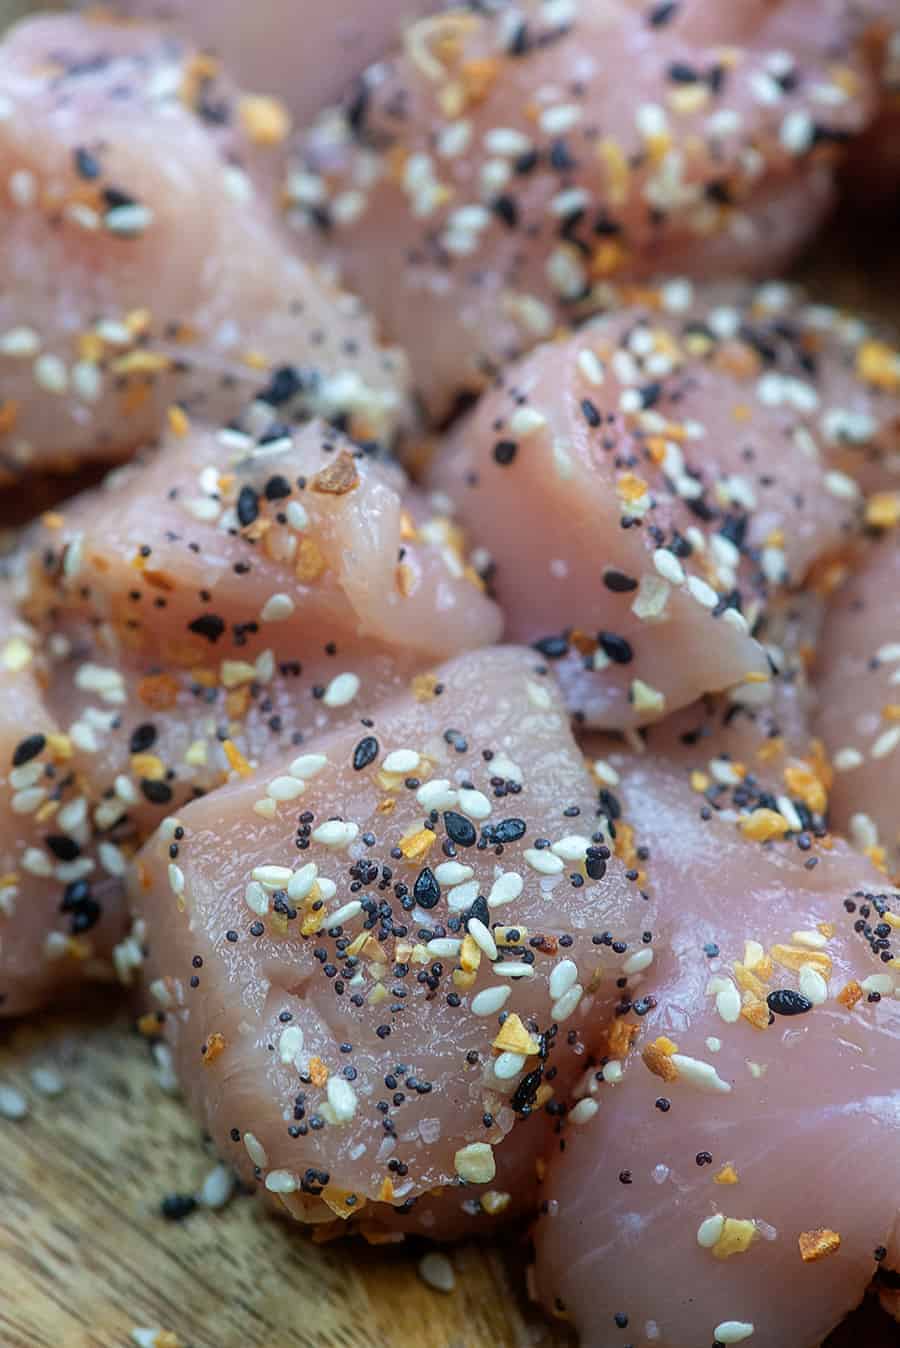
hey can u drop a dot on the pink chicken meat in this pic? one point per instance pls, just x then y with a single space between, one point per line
200 612
640 492
709 1190
859 702
484 185
141 260
376 994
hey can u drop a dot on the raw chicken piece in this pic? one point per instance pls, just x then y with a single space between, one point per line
640 492
61 905
734 1181
293 48
483 185
141 263
177 644
859 702
467 813
237 612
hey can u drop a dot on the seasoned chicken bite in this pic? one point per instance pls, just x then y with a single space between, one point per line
733 1179
211 607
639 493
61 908
485 184
377 991
859 701
142 268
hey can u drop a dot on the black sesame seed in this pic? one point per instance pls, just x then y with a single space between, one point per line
365 752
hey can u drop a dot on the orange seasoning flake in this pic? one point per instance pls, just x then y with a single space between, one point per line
338 477
159 691
818 1244
212 1047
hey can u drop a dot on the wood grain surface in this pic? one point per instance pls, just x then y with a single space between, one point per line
85 1253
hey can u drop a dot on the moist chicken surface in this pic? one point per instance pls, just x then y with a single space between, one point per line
371 987
670 471
142 267
484 184
210 607
716 1169
859 701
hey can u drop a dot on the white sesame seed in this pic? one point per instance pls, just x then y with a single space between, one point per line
437 794
307 766
840 485
508 1065
452 873
732 1331
728 1001
490 1000
709 1231
583 1111
299 883
651 599
342 1098
277 608
797 132
880 983
22 187
290 1045
525 421
462 896
13 1104
514 969
505 889
645 698
272 877
506 141
590 367
640 960
256 898
567 1004
402 761
886 742
436 1271
444 947
613 1072
341 690
20 342
336 833
544 861
285 788
482 937
668 566
111 858
217 1188
296 516
704 594
50 374
559 119
605 772
475 804
539 696
812 985
563 977
256 1151
29 800
281 1182
127 221
475 1163
846 759
571 848
700 1074
344 914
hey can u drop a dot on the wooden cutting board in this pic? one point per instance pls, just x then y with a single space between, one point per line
85 1254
